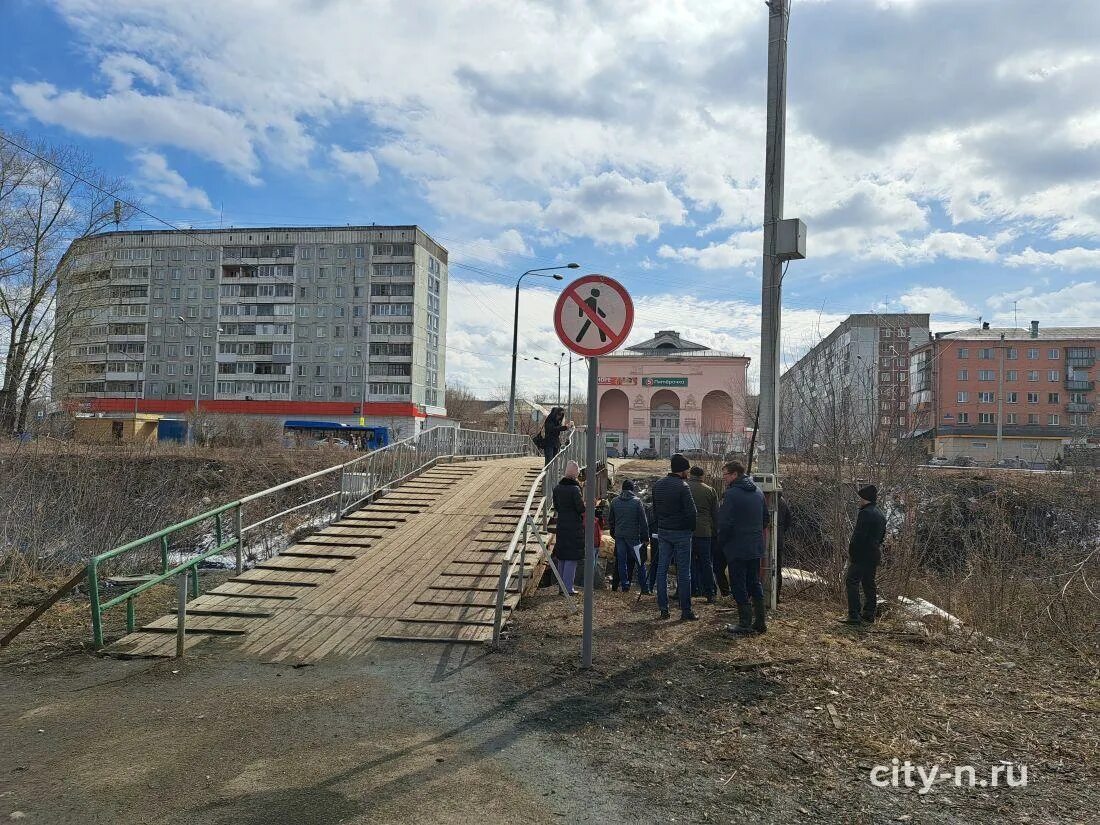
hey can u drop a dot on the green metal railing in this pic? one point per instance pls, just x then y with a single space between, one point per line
355 481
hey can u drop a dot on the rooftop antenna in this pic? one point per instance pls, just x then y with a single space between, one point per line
118 214
1015 323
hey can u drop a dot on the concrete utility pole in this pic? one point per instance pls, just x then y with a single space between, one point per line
770 294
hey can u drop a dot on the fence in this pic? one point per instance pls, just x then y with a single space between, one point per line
534 518
329 495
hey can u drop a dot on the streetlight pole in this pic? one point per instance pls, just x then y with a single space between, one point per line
515 334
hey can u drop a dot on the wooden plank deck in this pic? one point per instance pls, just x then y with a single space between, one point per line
420 564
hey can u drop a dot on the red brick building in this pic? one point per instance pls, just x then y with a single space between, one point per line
1034 387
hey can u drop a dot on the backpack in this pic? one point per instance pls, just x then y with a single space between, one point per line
539 440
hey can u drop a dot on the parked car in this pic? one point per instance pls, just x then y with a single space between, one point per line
648 453
332 441
703 455
613 452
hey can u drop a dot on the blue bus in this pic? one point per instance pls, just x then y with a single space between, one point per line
352 436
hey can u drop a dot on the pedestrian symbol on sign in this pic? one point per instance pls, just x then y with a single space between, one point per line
591 301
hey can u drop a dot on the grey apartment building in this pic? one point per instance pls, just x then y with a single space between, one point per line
337 322
853 386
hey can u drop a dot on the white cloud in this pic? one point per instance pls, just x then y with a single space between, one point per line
359 165
1075 258
741 250
936 300
650 109
1076 304
613 209
495 251
163 183
139 119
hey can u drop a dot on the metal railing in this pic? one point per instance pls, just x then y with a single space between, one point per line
533 522
333 492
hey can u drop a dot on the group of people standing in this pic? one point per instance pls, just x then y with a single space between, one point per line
716 542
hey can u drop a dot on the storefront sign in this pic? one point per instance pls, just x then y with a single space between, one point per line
611 379
664 382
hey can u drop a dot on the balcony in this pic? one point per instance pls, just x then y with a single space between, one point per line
1074 385
1080 407
1080 362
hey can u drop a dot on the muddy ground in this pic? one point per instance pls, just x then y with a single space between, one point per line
675 723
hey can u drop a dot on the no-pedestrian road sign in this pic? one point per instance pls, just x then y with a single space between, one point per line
593 315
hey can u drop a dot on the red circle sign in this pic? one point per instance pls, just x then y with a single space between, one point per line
593 315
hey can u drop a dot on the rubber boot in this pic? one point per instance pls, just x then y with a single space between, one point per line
759 625
744 620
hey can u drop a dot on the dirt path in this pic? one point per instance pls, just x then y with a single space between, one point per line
400 737
675 723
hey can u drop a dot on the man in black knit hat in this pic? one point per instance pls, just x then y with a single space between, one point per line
864 555
674 513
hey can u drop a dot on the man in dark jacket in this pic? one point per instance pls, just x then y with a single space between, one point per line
741 522
569 536
864 555
706 504
629 528
674 512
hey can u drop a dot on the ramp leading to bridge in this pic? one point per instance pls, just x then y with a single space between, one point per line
421 563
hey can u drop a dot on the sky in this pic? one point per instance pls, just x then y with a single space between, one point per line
944 154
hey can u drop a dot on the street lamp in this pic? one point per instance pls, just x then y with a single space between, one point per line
553 364
515 334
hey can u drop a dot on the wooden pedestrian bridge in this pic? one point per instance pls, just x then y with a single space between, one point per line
433 539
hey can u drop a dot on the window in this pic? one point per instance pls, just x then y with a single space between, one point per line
1012 375
962 397
986 418
963 418
305 252
985 354
1033 398
884 377
1012 354
985 398
1032 354
1052 420
1010 418
1052 397
1033 375
1053 375
1012 397
322 252
964 352
358 252
1053 354
1032 418
341 252
987 375
964 375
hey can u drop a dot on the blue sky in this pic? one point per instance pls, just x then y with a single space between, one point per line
944 154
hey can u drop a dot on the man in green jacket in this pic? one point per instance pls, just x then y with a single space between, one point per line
702 541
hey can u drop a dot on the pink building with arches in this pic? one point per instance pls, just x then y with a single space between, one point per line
672 395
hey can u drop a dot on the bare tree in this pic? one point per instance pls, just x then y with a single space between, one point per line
50 197
462 405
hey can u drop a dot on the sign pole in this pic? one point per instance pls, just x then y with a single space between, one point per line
590 515
593 316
